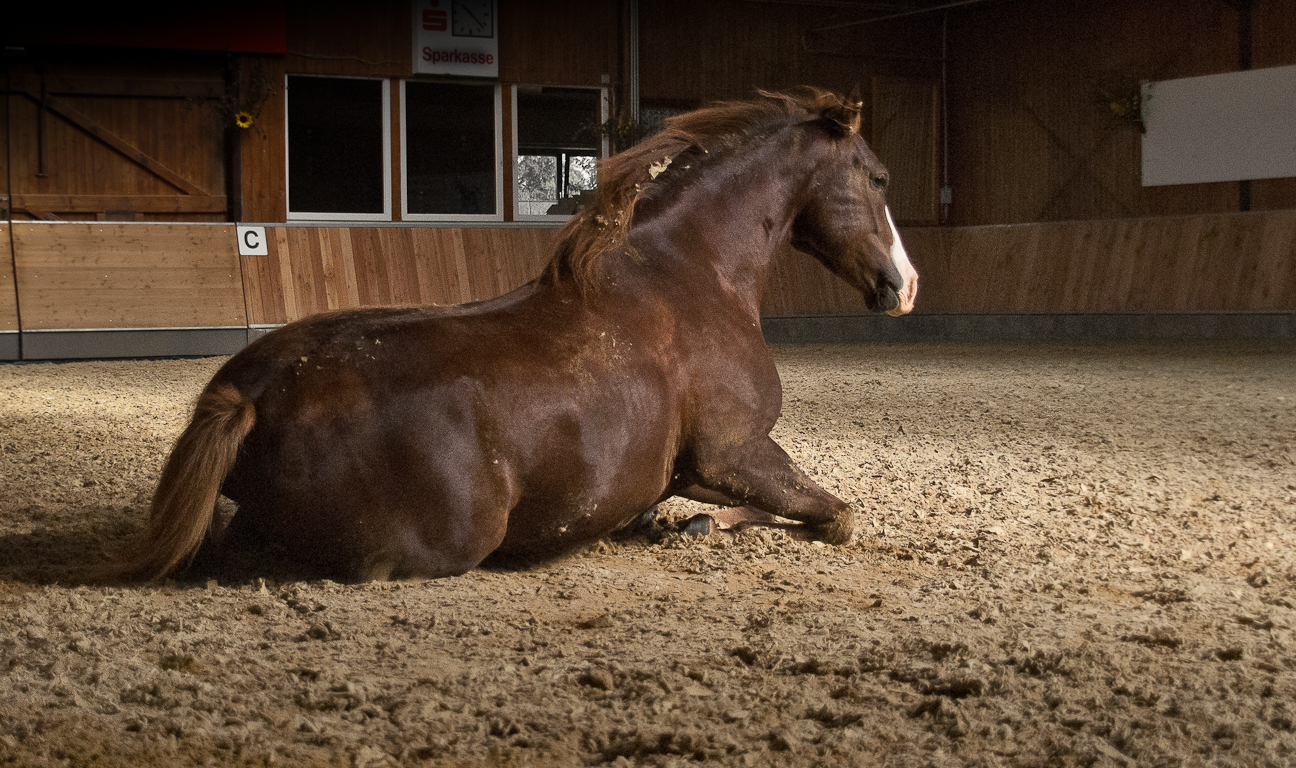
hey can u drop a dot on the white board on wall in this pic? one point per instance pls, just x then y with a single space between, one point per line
1229 127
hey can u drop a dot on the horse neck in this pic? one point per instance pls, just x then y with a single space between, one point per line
728 222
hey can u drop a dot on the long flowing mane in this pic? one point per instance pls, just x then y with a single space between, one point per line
640 173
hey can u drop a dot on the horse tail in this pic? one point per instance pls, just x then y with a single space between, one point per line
185 500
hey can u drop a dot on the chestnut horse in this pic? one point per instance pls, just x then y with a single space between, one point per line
416 441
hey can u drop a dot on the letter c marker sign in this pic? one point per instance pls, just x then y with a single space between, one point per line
252 241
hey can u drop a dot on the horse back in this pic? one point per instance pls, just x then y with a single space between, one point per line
529 406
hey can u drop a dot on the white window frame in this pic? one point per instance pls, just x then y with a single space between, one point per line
604 147
386 215
499 164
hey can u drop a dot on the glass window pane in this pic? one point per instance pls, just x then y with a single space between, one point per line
582 173
450 148
537 184
558 118
559 141
335 145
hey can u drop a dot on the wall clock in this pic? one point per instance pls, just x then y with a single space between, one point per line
472 18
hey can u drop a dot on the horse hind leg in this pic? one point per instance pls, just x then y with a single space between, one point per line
434 543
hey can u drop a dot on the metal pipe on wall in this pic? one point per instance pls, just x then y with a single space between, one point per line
633 45
900 15
946 191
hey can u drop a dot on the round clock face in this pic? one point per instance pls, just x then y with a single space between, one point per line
472 18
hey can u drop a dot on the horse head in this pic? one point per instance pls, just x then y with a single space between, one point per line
844 220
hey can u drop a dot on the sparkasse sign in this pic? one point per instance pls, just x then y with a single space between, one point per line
456 37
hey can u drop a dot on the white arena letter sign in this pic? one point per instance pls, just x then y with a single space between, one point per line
252 241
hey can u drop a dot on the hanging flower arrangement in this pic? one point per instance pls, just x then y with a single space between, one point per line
242 102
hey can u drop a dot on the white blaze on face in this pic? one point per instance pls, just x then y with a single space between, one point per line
908 274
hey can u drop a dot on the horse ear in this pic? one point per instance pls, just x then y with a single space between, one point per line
843 117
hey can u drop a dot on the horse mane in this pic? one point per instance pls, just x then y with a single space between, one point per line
638 174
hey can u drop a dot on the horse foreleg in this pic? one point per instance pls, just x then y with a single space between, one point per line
760 474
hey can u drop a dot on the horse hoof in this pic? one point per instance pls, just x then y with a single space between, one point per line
701 525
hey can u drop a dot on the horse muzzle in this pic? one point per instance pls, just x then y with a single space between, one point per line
895 296
886 298
904 298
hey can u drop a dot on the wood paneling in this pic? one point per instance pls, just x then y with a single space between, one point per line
1220 262
124 147
395 110
157 276
314 269
5 214
693 52
133 203
342 38
1273 40
800 285
1273 35
558 42
702 51
1239 262
207 88
1033 135
77 275
119 127
8 291
262 148
906 137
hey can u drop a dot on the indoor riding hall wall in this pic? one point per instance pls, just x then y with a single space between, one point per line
1012 108
134 289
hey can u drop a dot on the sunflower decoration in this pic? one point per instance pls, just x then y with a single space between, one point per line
1124 99
240 104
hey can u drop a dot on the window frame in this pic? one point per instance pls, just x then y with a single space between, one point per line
604 145
498 216
386 215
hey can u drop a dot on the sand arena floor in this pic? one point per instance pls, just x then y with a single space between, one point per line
1065 556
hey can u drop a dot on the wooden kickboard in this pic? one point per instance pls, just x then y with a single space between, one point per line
315 269
104 275
1227 262
8 291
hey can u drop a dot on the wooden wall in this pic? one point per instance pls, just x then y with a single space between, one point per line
1229 262
314 269
262 149
104 276
560 42
692 53
123 136
371 39
906 137
8 292
1273 41
1033 143
1033 134
175 108
1238 262
129 276
82 275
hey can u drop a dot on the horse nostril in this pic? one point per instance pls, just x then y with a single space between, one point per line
887 297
